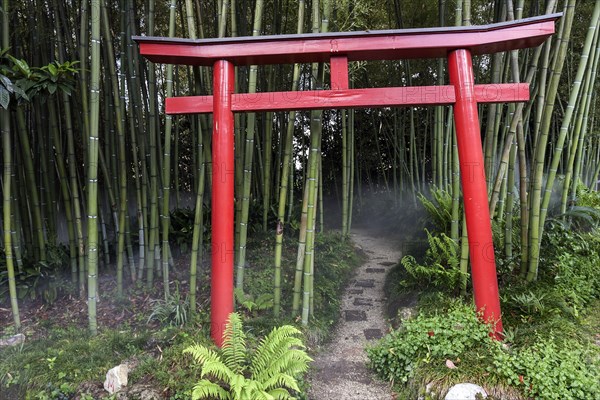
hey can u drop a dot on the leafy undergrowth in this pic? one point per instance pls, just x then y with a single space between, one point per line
60 360
551 348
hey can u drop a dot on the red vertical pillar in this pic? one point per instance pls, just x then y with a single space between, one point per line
479 229
222 200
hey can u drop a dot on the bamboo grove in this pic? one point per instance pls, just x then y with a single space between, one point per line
91 162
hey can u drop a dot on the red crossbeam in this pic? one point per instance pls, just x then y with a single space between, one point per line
348 98
369 45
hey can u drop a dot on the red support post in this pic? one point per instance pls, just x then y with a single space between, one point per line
222 200
479 229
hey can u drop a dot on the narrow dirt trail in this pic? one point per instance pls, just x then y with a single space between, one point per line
339 371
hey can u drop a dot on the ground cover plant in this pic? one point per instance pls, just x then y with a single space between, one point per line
551 348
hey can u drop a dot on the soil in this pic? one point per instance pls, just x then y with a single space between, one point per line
339 370
38 316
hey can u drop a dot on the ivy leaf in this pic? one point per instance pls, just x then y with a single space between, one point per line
4 97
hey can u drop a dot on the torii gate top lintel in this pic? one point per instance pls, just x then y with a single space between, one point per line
458 44
356 46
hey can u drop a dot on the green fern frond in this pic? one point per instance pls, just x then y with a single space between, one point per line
298 362
237 385
254 390
271 348
206 389
281 394
201 353
234 344
282 381
292 362
217 369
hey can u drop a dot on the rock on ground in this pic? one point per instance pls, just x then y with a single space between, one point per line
140 392
465 391
116 378
13 340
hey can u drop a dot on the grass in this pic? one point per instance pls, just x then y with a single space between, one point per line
63 359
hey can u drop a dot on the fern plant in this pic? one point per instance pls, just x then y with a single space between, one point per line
442 263
439 208
237 373
251 304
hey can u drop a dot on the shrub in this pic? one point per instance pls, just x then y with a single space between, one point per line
427 338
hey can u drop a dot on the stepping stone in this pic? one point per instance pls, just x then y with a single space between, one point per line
375 270
355 315
355 291
371 334
387 263
365 283
360 301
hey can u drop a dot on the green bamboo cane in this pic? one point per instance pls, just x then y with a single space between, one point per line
466 13
510 183
92 170
312 195
153 137
455 212
313 170
299 271
134 115
83 75
268 149
6 194
16 226
122 166
539 209
286 177
64 186
575 151
248 156
75 195
36 211
167 165
198 233
7 172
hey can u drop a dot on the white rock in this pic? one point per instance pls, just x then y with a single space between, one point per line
465 391
116 378
13 340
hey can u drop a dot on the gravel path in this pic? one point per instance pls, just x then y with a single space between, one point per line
339 371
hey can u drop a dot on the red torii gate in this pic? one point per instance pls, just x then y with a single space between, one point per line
458 44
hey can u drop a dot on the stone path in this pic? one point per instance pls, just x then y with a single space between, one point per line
339 371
